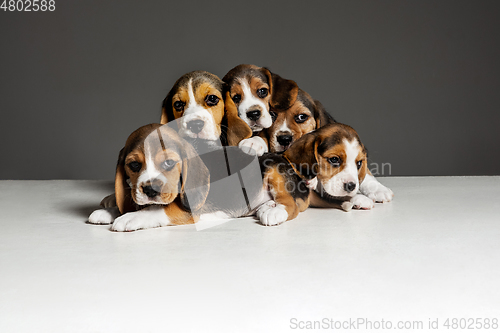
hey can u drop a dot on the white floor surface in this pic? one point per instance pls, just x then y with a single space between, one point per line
432 253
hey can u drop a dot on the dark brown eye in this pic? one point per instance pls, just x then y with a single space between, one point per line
273 115
301 118
236 98
334 161
168 164
179 106
359 164
212 100
134 166
262 92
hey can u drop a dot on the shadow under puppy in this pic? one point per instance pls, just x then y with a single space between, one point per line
161 180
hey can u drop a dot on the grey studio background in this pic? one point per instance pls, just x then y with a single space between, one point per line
419 80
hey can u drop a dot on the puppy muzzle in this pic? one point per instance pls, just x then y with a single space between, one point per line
256 116
340 187
150 192
283 140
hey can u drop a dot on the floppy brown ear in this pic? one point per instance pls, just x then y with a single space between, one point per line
195 182
283 92
303 155
167 114
264 136
364 170
124 199
321 115
269 77
237 129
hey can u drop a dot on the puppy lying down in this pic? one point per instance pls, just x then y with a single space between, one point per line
162 180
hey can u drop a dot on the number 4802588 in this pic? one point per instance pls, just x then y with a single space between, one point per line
28 5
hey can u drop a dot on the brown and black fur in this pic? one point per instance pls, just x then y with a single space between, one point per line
192 174
281 94
230 127
287 187
196 185
303 106
309 156
198 77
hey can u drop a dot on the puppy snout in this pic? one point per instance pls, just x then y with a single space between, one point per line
152 190
253 114
284 140
195 126
349 187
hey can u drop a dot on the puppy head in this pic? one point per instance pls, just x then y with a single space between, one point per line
253 89
334 153
304 116
155 167
196 101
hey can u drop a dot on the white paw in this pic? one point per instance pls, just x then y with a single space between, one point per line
272 213
347 206
380 194
109 201
121 223
129 222
253 146
265 206
359 201
151 217
374 190
104 216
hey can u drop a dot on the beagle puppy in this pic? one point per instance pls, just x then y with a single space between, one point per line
303 116
333 162
253 90
197 98
196 102
152 178
161 180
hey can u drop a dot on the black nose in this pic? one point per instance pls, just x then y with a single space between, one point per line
195 126
149 191
349 187
284 140
253 115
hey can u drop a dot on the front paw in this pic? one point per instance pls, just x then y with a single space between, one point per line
272 213
359 201
253 146
347 206
380 194
132 222
104 216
